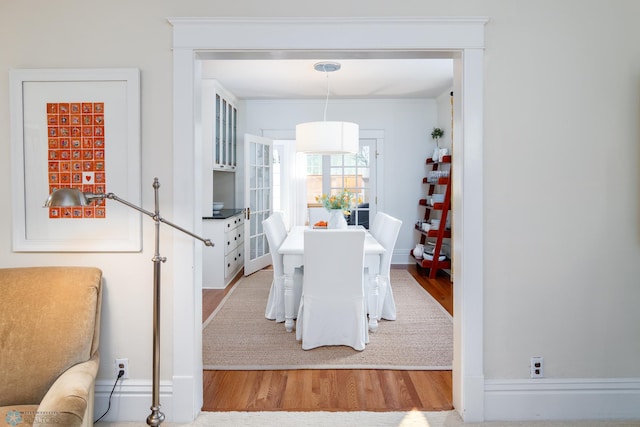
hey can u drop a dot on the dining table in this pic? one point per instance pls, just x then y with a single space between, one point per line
292 251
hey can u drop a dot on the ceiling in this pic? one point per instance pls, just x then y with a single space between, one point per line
296 78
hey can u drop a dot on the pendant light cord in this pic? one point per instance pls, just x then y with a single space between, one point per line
326 102
327 67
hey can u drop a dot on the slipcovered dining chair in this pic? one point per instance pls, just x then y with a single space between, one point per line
385 230
276 232
333 309
376 228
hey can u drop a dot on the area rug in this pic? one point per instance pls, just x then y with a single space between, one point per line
237 336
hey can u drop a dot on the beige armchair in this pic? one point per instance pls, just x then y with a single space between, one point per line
49 335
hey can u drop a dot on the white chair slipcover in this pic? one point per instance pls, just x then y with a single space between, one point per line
276 232
385 229
333 309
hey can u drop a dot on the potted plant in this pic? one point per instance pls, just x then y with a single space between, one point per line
436 134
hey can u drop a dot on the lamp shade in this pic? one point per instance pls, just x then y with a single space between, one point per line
327 137
66 197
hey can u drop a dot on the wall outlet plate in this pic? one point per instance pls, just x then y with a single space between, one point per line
537 367
122 364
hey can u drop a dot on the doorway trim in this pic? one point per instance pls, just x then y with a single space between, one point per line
460 38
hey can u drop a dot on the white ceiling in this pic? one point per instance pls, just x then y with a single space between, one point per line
358 78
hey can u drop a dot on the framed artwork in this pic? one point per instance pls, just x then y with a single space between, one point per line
75 128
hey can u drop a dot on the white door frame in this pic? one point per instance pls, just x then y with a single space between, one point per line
459 38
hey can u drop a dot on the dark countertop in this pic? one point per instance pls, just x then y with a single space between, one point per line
224 214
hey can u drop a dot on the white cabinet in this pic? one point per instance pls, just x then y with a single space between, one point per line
222 262
220 123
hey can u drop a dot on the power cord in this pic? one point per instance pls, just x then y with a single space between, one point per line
120 375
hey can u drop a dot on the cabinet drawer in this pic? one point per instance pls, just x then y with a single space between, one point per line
233 261
240 257
229 264
232 239
233 222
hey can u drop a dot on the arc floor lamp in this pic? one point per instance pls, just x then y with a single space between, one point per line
73 197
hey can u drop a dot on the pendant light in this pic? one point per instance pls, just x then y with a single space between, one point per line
327 137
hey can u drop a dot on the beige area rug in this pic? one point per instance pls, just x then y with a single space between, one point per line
237 336
360 419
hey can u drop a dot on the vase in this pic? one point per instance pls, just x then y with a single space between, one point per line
336 219
442 152
436 152
418 251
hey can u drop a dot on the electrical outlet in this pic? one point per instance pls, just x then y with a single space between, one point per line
122 365
537 367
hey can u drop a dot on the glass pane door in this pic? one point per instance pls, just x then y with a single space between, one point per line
351 172
258 200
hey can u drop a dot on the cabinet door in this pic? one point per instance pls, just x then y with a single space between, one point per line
225 117
217 132
232 113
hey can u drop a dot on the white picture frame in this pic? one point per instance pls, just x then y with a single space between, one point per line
31 90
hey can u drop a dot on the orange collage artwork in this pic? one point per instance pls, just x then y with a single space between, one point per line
76 138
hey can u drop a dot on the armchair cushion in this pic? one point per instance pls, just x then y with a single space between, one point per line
49 335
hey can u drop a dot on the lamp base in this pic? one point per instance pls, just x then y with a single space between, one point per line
156 418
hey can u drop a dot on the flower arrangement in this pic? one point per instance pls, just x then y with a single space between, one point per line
341 200
437 133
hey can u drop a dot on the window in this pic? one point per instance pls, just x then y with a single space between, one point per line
330 174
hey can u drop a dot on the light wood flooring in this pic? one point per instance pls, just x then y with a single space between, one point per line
331 389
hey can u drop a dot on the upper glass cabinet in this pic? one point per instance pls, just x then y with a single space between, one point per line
220 118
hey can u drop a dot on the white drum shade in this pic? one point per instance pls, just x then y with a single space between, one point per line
327 137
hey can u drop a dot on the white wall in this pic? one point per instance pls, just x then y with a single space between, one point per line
407 143
75 34
561 162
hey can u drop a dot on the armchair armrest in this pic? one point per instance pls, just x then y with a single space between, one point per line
70 399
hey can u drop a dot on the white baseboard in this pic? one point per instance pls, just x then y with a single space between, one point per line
402 256
562 399
131 400
504 400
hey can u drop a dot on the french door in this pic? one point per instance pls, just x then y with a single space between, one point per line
258 181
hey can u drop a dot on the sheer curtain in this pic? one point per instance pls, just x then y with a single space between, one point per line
291 182
299 205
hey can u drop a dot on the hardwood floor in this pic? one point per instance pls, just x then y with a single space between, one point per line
331 389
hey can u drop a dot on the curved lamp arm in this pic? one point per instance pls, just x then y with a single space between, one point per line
157 217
